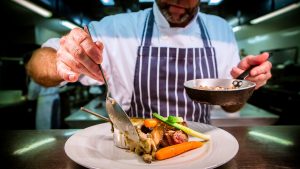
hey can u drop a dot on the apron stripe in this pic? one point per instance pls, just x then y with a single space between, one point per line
143 74
206 62
185 78
167 83
157 82
203 63
198 76
172 78
215 63
147 106
181 73
194 77
176 80
152 80
163 77
137 105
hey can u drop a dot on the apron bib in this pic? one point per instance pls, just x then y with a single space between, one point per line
160 73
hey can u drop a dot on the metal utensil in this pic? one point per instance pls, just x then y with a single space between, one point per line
238 82
115 112
118 116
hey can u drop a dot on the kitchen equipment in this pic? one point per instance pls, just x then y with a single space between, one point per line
118 116
235 92
115 112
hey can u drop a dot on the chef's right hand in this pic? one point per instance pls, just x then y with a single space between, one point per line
77 55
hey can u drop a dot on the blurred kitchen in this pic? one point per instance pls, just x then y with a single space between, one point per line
259 25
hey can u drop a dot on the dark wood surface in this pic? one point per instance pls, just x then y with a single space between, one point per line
259 147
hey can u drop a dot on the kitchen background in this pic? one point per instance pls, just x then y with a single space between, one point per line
24 30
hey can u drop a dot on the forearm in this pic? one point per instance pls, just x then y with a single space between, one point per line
42 67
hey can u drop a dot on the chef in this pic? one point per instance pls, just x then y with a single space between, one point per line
148 55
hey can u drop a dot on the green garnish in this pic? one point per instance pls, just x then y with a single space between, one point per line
175 119
185 129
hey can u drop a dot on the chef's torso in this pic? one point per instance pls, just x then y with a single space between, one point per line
122 36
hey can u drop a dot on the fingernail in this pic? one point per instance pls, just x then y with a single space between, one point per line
72 77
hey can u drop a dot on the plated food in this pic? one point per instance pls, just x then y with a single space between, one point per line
161 138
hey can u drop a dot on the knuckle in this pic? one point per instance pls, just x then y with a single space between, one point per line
89 48
77 51
62 40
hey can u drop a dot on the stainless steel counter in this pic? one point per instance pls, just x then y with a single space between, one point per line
249 115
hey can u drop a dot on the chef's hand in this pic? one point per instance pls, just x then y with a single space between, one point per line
260 74
77 55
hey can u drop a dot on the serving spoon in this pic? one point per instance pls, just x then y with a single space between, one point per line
116 114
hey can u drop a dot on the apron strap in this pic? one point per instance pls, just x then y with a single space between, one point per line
204 34
149 30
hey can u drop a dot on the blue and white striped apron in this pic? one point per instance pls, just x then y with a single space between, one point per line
160 73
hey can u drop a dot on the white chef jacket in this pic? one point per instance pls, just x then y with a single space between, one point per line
121 35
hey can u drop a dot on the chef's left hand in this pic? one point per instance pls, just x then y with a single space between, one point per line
260 74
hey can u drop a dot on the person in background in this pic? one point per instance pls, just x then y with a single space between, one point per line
147 56
243 53
48 105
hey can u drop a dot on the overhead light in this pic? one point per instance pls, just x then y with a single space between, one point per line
268 137
146 1
236 28
68 24
35 8
257 39
108 2
34 145
214 2
275 13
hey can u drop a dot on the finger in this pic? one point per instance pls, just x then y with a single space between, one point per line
79 35
263 68
80 56
253 60
98 44
92 50
235 72
261 79
83 39
76 66
66 73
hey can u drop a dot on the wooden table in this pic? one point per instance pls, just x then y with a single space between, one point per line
260 147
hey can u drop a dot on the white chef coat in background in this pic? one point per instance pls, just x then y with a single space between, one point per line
121 35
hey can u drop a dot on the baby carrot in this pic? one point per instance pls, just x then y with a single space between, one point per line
174 150
150 123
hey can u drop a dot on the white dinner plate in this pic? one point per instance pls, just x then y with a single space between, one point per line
93 147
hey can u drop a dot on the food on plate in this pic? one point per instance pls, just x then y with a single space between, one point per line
215 87
159 135
174 150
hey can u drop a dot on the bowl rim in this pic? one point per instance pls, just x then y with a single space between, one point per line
252 85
